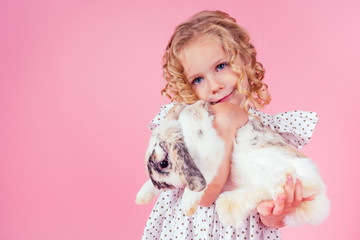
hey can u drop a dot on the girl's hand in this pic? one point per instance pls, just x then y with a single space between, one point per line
272 213
228 118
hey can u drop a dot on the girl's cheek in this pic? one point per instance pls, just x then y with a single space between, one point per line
201 93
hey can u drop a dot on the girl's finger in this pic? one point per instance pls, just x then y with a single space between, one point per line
289 191
265 208
279 205
309 198
298 193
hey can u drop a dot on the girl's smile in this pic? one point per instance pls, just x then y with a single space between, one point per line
227 97
207 70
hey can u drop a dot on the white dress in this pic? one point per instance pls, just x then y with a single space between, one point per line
167 220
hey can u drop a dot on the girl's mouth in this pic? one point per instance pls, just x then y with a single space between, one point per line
226 97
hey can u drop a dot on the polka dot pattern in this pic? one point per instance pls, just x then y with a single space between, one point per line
167 220
295 126
160 116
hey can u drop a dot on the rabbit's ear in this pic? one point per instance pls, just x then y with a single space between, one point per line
174 112
187 170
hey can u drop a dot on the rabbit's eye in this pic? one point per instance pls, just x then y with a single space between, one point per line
164 164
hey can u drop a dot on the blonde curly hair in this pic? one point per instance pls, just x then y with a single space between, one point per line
236 43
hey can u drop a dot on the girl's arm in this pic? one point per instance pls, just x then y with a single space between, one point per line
228 118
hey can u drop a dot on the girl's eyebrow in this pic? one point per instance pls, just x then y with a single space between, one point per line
193 76
212 66
221 60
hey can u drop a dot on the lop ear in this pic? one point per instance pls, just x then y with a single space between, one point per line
174 112
187 170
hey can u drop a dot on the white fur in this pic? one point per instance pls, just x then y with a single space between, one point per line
146 193
261 161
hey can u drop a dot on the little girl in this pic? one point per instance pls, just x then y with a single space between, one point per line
210 57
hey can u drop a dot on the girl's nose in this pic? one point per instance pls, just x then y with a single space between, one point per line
215 86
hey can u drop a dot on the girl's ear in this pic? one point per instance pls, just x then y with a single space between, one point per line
187 170
174 112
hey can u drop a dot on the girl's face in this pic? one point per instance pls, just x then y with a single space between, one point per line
207 70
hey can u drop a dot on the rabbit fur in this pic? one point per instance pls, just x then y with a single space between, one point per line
185 150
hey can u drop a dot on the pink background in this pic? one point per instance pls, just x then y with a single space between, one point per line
80 80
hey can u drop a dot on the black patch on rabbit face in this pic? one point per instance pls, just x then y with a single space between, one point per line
155 170
153 165
161 185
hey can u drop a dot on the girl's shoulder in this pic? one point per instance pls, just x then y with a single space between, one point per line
296 126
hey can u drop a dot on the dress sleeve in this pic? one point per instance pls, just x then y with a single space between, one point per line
295 126
160 116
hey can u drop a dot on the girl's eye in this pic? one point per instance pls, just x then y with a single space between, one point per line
197 80
221 66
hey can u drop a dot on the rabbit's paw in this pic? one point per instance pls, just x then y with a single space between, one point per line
310 212
143 197
189 207
146 193
277 185
190 201
230 209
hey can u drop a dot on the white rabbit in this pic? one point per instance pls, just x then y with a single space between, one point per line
185 150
